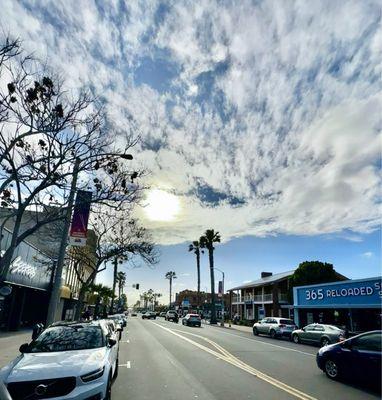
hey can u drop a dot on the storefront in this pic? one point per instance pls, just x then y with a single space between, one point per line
353 304
29 277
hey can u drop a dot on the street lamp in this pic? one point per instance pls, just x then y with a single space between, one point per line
217 269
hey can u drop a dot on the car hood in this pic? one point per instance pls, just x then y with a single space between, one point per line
33 366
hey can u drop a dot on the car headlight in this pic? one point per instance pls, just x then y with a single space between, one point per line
91 376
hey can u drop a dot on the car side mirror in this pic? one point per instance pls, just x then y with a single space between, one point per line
24 348
112 342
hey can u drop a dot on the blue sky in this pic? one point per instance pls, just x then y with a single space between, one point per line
258 119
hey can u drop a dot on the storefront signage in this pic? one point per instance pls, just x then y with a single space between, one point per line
18 266
366 292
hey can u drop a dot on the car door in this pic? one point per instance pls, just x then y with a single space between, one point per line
262 327
366 353
307 335
317 333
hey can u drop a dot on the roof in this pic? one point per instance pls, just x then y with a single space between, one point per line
268 280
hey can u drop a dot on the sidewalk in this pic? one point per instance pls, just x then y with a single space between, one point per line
10 343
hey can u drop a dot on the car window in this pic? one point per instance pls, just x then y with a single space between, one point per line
319 328
370 342
309 328
68 338
286 322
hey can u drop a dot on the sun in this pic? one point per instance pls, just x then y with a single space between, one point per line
161 206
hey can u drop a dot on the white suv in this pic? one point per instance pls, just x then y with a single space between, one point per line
69 361
274 327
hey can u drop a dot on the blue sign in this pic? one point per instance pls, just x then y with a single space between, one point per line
346 294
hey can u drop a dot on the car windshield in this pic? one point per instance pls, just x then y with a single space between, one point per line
194 317
65 338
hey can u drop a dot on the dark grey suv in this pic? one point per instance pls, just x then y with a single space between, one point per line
318 334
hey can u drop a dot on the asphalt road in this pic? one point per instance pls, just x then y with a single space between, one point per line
162 360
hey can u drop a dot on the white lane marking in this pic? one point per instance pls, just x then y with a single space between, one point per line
126 341
127 365
231 359
270 344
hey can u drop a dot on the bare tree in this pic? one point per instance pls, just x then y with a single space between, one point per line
117 236
47 137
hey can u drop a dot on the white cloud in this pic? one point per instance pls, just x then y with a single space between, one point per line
290 124
368 254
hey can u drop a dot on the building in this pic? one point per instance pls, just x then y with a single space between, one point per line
29 278
354 304
267 296
187 301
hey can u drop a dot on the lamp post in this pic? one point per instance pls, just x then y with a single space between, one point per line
222 321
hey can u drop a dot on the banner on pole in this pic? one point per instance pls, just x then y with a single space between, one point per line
79 226
220 289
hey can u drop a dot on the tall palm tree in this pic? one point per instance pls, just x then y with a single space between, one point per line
207 242
170 276
195 247
121 279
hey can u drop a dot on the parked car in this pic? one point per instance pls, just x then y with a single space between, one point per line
121 317
274 327
117 320
172 315
321 334
149 315
192 320
357 358
110 328
163 314
70 359
133 314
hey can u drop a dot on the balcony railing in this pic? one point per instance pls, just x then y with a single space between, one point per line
259 298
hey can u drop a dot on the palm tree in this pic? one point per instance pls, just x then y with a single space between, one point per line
207 242
121 279
195 247
170 276
103 293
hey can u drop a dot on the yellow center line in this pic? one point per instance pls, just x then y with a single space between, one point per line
226 356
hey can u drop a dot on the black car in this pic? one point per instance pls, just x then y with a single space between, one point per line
192 320
357 358
149 315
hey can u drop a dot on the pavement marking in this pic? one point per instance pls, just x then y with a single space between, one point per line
231 359
270 344
127 365
126 341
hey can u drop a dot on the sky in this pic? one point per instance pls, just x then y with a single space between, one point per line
259 119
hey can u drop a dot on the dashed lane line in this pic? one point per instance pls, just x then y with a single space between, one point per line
231 359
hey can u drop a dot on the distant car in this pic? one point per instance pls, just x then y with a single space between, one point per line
357 358
172 315
162 314
75 361
117 320
122 318
321 334
192 320
274 327
149 315
134 314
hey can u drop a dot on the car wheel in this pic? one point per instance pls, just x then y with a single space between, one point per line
296 338
255 332
108 389
272 333
331 369
116 369
325 341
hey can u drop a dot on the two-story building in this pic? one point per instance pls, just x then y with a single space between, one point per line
267 296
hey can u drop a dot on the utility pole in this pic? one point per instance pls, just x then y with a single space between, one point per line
114 284
56 287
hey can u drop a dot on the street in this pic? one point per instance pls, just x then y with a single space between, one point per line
163 360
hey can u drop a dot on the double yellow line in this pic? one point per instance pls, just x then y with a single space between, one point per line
226 356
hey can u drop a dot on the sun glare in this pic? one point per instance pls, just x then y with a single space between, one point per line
161 206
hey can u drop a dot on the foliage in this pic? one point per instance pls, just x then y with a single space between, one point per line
312 272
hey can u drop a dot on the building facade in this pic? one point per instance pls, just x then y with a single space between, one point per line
267 296
353 304
29 277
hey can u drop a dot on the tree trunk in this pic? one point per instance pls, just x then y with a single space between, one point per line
114 284
198 271
80 304
213 309
169 307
